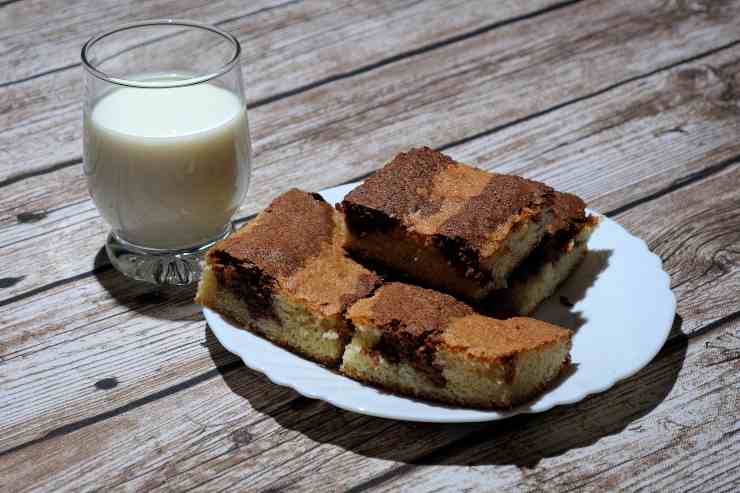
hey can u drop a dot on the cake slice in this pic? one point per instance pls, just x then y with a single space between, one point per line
466 231
447 225
427 344
285 276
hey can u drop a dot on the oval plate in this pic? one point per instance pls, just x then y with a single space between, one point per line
622 311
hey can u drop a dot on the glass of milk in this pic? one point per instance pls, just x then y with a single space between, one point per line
167 151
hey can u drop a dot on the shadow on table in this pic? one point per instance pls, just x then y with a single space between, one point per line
522 440
169 302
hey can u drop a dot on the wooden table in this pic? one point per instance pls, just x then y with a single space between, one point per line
634 105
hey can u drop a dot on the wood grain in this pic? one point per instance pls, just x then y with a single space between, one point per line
223 466
329 161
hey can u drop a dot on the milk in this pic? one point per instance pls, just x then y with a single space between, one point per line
167 167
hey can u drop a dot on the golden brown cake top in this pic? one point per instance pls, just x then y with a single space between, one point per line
439 318
297 243
282 237
491 339
406 308
503 197
431 193
403 186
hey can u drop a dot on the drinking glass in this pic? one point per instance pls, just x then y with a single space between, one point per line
167 153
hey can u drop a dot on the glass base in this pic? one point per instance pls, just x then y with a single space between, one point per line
161 267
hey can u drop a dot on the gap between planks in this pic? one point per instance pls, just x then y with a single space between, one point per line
8 2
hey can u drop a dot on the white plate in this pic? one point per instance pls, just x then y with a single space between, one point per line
623 311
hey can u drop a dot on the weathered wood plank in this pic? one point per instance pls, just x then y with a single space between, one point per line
715 194
60 33
326 161
285 48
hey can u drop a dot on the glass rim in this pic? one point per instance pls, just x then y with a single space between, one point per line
91 69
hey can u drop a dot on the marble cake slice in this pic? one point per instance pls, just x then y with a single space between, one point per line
447 225
285 276
462 230
423 343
